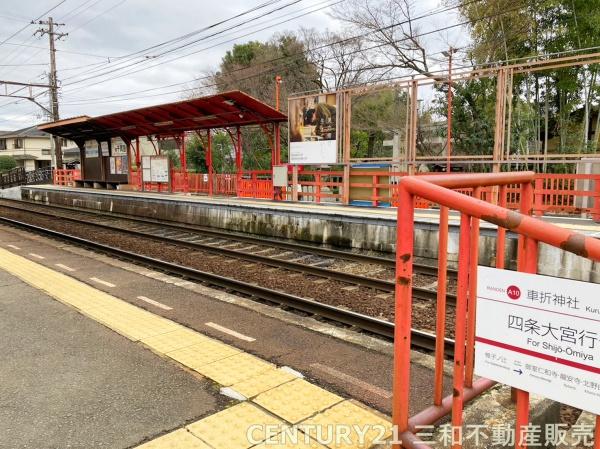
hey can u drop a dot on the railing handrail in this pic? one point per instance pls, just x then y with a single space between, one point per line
531 232
535 228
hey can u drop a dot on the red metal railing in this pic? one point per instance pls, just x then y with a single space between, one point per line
135 179
531 231
567 193
316 185
255 184
223 183
66 177
553 193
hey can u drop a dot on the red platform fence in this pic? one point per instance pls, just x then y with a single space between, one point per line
441 190
255 184
65 177
566 194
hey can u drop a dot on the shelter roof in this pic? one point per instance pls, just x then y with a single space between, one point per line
222 110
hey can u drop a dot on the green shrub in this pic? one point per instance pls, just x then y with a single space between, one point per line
7 163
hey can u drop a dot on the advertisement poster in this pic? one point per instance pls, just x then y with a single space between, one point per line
118 165
312 125
105 150
119 148
91 148
540 334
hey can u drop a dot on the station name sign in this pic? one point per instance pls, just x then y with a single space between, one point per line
540 334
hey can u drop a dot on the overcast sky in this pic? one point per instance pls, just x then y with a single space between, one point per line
102 33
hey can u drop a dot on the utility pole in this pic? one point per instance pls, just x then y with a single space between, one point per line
53 36
449 54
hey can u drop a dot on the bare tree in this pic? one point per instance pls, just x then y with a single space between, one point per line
392 38
339 58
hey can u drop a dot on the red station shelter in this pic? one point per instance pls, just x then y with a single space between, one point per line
229 111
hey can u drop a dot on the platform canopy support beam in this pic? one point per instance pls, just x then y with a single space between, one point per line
209 162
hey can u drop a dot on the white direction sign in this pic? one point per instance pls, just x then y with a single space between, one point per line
540 334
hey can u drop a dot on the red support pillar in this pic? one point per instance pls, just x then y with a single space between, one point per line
183 160
596 200
526 262
472 296
462 293
276 158
538 200
129 161
138 156
138 163
403 306
238 156
277 139
440 326
209 162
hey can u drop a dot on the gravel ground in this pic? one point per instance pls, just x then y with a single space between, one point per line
358 299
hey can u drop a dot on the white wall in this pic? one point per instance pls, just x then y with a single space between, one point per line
38 147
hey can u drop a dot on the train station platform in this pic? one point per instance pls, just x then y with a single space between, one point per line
102 353
340 226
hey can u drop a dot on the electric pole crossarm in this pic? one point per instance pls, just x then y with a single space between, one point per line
16 83
33 100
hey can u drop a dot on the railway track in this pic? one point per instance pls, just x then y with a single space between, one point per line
381 328
192 239
259 241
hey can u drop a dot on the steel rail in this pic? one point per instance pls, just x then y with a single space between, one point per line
353 279
326 252
381 328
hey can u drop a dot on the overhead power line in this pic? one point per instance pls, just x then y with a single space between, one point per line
143 52
274 69
146 58
100 14
34 20
253 9
430 13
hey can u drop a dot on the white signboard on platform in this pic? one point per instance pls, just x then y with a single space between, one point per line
280 176
540 334
155 169
318 152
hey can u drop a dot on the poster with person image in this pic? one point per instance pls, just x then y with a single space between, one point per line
312 125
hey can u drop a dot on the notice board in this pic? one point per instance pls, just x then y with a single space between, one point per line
155 169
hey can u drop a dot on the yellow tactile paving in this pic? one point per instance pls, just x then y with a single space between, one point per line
237 368
180 439
238 427
201 354
355 420
296 400
280 442
263 382
134 325
57 285
172 341
280 393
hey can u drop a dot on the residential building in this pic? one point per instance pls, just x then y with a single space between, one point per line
30 147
